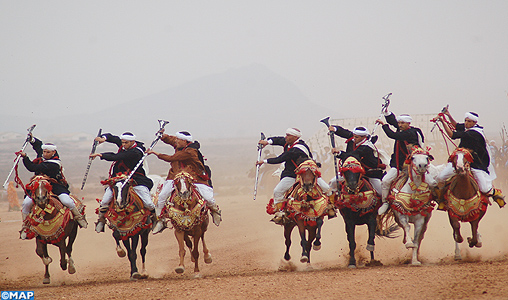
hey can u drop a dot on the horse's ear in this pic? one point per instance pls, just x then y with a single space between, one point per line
431 158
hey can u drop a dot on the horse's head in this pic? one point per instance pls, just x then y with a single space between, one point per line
184 184
461 160
419 160
40 187
307 174
120 195
352 172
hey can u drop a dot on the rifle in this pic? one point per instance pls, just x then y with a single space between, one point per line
435 119
326 121
94 146
18 157
158 136
260 149
384 107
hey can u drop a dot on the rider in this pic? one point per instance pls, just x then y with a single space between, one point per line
188 158
129 154
360 145
405 137
472 137
48 163
294 149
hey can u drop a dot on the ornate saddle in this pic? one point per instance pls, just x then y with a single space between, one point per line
466 210
308 206
49 224
131 219
183 216
362 202
416 203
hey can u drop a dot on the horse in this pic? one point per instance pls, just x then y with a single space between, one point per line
358 203
130 221
50 222
463 200
306 207
411 198
188 213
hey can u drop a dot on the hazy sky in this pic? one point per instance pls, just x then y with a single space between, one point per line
83 56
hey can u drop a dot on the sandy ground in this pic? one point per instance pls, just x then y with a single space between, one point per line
247 250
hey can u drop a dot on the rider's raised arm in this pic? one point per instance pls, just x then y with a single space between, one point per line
342 132
122 155
37 146
392 120
113 139
169 139
276 140
179 155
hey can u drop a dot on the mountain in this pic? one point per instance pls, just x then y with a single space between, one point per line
237 103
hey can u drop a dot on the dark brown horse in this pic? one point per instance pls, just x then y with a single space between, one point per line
358 203
306 207
188 213
50 222
464 202
130 222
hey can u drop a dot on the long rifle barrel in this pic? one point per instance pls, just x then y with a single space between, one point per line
260 149
18 157
94 147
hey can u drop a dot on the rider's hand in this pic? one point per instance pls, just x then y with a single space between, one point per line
100 139
379 121
93 156
263 142
259 163
335 150
331 128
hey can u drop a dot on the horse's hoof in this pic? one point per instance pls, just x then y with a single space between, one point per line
47 260
286 266
46 280
316 247
197 275
143 275
135 276
72 268
120 251
304 259
309 267
179 270
470 242
410 245
351 266
416 263
370 247
208 259
458 257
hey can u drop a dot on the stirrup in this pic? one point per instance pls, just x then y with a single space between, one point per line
383 208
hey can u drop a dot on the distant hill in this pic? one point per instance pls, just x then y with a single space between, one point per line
238 102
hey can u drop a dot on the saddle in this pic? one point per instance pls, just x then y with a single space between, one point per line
466 210
416 203
48 224
182 216
308 206
131 219
362 202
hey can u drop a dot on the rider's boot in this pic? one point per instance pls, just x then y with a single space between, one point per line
216 214
22 233
159 226
440 198
331 211
79 218
498 196
101 221
279 214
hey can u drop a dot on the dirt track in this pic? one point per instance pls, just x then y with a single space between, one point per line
247 249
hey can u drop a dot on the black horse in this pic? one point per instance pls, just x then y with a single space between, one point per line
130 222
358 203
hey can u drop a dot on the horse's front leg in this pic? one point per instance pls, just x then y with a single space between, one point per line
419 226
371 226
181 250
206 252
144 242
457 237
303 241
131 252
195 252
68 248
312 230
42 252
404 223
474 240
288 229
62 249
317 243
350 231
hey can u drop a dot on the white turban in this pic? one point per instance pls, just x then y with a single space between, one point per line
404 118
471 116
127 136
294 132
184 135
360 131
49 147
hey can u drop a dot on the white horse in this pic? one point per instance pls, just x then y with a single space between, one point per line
410 198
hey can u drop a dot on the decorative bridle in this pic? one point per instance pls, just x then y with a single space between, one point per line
416 150
468 158
40 187
351 164
308 165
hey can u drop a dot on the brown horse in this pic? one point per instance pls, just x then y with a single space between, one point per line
50 222
306 207
187 211
464 202
358 203
130 221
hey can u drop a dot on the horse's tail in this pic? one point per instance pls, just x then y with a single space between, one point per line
386 226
